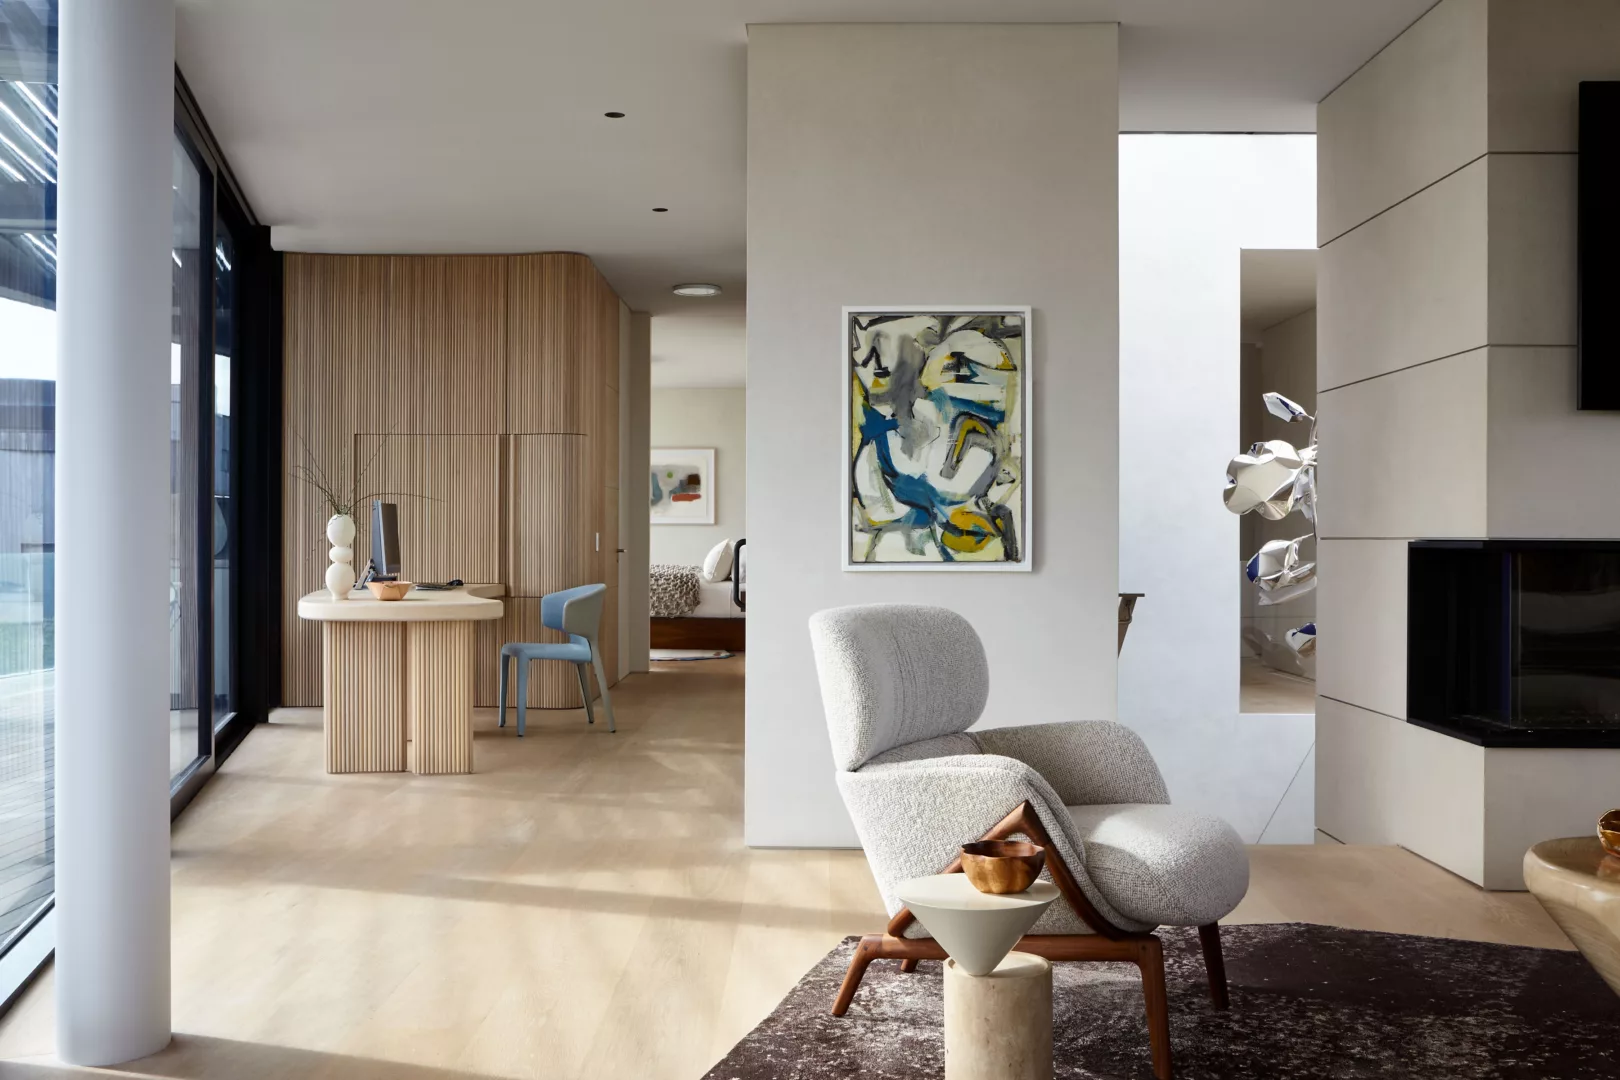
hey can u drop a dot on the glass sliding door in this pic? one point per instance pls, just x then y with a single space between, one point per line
190 465
213 335
28 109
224 476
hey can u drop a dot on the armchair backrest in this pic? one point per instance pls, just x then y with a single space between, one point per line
893 674
576 611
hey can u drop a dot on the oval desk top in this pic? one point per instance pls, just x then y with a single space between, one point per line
451 605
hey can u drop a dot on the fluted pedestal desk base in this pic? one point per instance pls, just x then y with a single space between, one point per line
398 680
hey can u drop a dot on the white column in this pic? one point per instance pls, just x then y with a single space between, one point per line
115 209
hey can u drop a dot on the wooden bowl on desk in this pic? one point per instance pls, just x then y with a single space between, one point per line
389 590
1002 866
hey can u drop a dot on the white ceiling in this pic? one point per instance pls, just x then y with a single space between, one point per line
1278 283
426 126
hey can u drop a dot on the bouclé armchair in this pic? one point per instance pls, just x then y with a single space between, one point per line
901 684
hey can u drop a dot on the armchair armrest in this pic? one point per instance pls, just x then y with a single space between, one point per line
1087 762
913 817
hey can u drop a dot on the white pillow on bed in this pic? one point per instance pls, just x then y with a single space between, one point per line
717 564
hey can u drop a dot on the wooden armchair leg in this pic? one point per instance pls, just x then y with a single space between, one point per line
867 951
1150 961
1210 937
909 965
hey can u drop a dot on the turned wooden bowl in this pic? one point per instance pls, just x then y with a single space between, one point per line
1002 866
1608 831
389 590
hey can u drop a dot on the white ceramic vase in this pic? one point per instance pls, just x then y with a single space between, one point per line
340 575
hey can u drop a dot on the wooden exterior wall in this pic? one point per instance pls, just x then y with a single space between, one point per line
485 389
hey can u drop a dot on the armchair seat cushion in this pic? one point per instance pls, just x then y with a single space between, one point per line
1161 865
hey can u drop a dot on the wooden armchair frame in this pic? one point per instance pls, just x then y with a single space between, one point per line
1107 943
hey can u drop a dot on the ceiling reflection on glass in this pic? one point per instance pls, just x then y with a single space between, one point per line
28 149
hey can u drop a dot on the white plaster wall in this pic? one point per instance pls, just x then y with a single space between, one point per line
628 610
1188 205
884 186
634 425
712 417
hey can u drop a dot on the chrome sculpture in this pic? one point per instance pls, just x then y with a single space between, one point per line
1274 479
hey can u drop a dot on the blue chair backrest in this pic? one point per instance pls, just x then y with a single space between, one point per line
576 611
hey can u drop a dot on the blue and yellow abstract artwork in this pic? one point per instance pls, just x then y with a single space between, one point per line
938 439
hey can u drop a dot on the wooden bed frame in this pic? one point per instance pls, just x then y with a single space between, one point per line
690 633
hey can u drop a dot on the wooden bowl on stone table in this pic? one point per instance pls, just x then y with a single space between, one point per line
1002 867
1608 831
389 590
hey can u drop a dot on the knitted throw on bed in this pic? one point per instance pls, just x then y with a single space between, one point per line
674 590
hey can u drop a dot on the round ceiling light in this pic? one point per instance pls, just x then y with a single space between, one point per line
696 288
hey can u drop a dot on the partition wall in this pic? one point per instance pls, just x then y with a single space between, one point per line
223 450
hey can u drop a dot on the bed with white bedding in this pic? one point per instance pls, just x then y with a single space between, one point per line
701 607
715 602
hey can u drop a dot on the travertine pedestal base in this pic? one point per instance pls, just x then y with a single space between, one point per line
999 1026
439 696
364 696
1580 888
399 695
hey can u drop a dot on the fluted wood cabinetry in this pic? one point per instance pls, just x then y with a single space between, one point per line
449 506
485 390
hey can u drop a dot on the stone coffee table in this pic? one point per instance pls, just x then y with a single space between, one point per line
1579 886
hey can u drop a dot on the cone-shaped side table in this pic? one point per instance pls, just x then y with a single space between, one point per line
998 1004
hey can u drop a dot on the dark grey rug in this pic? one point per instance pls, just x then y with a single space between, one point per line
1308 1003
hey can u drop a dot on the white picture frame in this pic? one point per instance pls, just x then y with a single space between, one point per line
676 509
1025 411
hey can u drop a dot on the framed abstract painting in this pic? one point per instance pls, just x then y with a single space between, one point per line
936 438
683 487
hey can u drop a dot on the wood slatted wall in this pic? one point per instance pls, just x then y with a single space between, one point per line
495 382
332 347
455 532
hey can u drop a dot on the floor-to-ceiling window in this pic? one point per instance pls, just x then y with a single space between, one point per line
224 482
27 460
191 327
221 265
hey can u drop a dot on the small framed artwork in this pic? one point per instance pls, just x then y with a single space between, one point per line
683 487
936 450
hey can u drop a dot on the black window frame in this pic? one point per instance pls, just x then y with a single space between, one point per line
256 473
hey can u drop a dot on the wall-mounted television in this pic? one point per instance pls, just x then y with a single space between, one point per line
1598 324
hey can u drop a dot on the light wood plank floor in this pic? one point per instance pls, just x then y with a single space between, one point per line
1265 690
581 907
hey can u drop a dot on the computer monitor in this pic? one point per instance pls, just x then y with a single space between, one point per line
385 538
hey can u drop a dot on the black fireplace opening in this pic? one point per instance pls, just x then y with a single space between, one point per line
1515 642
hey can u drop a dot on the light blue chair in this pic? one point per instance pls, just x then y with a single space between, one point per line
576 612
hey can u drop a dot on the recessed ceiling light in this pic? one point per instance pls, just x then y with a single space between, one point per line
614 115
696 288
660 209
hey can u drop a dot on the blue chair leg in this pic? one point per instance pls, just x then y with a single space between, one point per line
504 659
585 692
601 681
524 663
